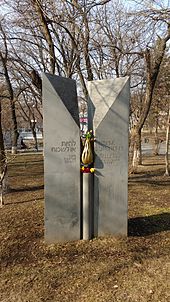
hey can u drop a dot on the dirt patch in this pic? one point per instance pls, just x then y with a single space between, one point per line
104 269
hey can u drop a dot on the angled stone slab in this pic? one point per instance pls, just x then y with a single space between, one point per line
109 118
61 159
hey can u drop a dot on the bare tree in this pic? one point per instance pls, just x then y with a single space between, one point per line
4 60
152 71
167 144
28 108
153 56
3 162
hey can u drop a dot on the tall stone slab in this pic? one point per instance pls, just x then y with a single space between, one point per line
61 159
109 119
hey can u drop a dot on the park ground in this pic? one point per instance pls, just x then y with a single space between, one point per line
110 269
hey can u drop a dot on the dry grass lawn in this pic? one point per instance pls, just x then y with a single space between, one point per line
109 269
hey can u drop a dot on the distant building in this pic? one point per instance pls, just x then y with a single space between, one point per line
25 135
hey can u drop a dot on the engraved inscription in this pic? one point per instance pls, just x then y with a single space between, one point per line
108 151
65 146
70 159
67 149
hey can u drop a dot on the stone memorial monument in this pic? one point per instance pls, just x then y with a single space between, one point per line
109 119
61 159
85 206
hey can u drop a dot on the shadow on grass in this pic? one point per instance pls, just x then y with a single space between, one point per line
27 189
152 164
24 201
149 179
148 225
145 176
26 163
26 175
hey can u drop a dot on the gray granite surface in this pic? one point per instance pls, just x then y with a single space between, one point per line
109 119
61 159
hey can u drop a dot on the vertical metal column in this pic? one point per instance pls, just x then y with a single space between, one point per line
87 206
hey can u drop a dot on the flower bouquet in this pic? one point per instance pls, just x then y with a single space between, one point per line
87 153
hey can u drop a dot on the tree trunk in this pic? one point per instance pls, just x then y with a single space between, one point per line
167 145
15 133
156 139
3 164
35 137
136 149
47 34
